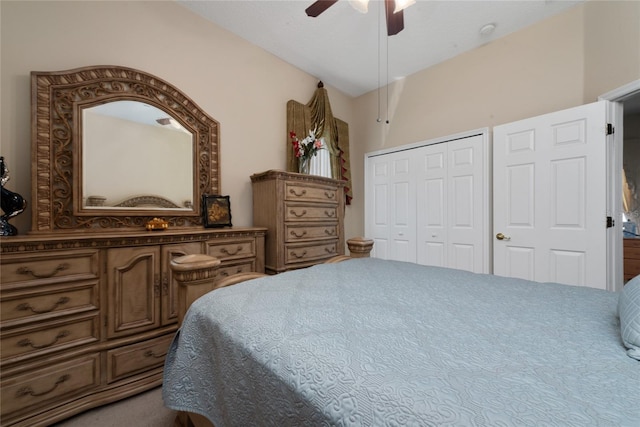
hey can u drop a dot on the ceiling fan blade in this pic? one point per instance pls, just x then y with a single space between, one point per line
318 7
395 21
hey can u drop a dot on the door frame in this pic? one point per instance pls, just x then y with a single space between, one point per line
615 256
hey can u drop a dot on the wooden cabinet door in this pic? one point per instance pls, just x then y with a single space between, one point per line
133 287
169 285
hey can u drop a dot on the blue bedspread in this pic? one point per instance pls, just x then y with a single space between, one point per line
382 343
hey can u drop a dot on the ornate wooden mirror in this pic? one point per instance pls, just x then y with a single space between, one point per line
114 147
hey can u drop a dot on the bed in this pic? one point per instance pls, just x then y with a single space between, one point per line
368 342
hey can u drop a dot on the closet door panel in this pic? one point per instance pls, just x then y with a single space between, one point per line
377 205
432 211
403 208
465 200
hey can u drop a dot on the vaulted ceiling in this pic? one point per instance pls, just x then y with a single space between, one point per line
351 51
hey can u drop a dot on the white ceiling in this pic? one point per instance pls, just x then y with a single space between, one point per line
348 50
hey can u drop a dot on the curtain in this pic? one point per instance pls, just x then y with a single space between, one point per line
316 114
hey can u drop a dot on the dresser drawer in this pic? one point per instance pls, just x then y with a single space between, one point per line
296 232
310 193
296 212
227 270
49 268
232 249
48 386
44 302
311 252
21 343
130 360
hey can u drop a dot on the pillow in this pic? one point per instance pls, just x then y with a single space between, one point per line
629 311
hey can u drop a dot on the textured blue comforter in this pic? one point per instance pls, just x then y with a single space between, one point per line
369 342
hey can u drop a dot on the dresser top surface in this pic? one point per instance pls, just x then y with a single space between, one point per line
97 239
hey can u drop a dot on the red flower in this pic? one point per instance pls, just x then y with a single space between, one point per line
306 148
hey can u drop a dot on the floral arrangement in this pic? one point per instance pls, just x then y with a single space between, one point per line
308 147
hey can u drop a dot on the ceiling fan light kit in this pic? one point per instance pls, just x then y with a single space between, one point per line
361 6
393 8
402 5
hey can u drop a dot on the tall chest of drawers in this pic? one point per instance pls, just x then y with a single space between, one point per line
86 318
304 216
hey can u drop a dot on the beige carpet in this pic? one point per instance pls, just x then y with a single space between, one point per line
143 410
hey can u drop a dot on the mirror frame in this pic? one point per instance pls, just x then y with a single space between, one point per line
58 99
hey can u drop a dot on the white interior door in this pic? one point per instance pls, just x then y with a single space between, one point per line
549 195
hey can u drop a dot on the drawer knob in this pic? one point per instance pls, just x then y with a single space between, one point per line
294 213
330 250
330 232
330 195
26 306
24 391
294 234
330 214
150 353
230 253
28 343
28 271
302 193
296 255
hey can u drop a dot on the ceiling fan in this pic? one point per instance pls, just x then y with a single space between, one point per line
393 9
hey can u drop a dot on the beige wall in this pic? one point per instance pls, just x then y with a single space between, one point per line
562 62
241 86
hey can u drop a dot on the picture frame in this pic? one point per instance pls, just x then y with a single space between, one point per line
216 211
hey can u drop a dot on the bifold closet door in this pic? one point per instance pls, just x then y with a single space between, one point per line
451 204
391 206
429 204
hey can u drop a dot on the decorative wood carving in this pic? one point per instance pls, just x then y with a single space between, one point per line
56 101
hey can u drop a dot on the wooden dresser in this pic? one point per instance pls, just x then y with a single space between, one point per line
304 215
631 258
86 318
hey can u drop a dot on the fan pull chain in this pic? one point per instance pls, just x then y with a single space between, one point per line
387 121
379 48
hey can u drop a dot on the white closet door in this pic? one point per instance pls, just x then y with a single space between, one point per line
429 203
390 216
452 204
467 201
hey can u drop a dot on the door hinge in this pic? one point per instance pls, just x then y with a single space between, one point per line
610 222
610 129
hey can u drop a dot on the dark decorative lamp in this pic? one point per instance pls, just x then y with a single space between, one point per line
11 203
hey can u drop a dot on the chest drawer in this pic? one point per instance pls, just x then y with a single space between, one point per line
310 193
48 386
49 268
21 343
44 302
233 249
296 212
296 232
312 252
126 361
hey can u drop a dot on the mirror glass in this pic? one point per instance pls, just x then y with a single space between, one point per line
135 156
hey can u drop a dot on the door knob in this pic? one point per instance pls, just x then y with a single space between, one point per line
501 236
